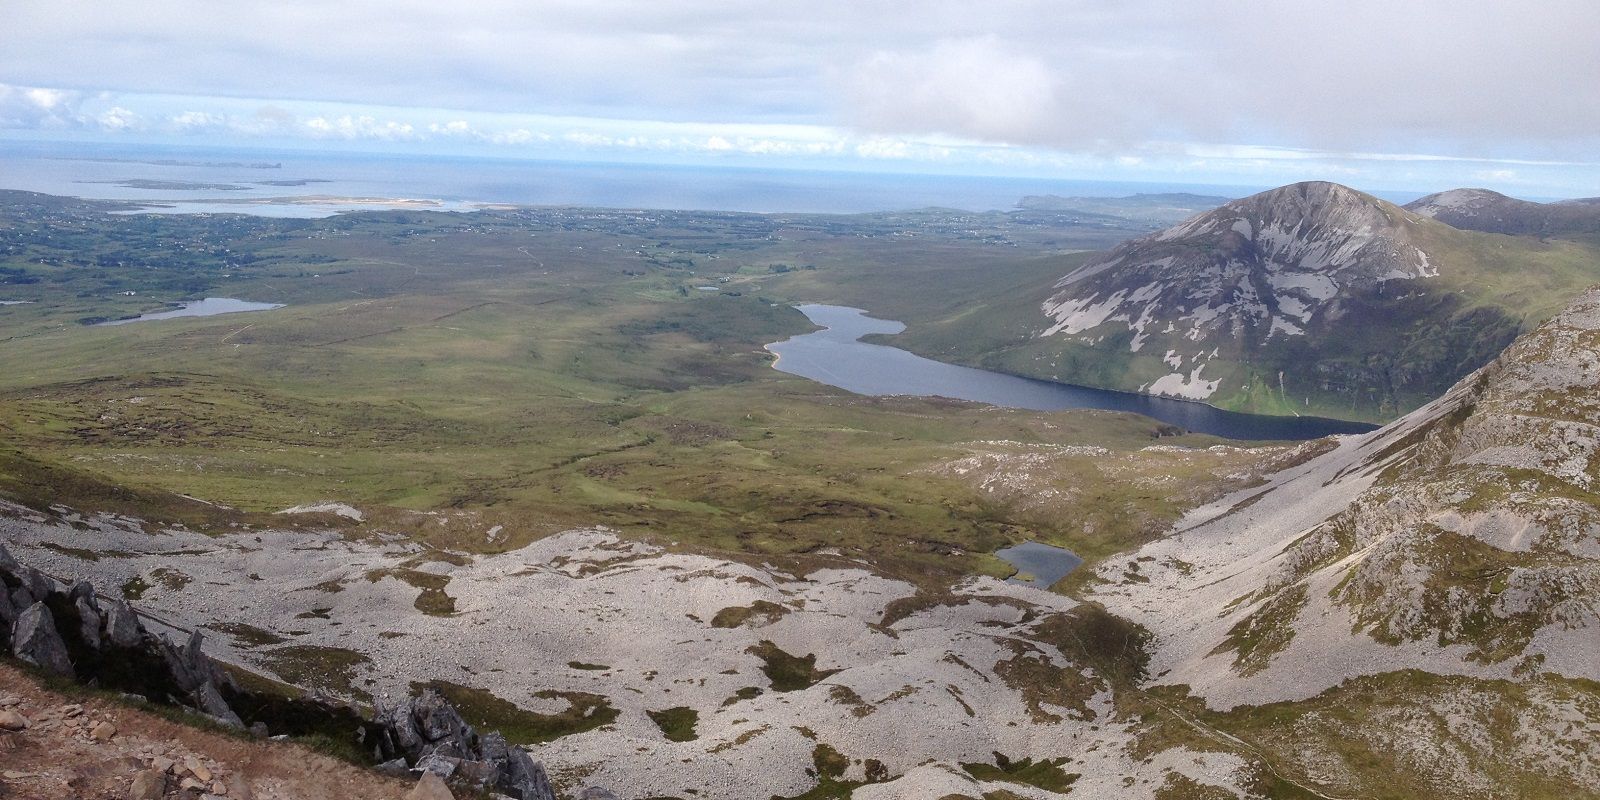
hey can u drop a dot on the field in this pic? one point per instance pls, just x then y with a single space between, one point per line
482 380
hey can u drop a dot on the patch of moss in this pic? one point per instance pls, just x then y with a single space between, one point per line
788 673
1045 774
677 724
483 709
327 669
1182 787
248 635
734 616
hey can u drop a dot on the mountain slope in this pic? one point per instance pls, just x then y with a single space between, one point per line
1308 299
1463 540
1492 212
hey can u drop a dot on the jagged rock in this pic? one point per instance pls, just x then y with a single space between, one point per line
103 732
88 619
439 720
430 787
259 729
210 701
34 639
443 766
526 778
477 773
122 625
492 749
395 769
8 613
38 584
400 726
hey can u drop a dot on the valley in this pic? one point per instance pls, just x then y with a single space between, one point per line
524 456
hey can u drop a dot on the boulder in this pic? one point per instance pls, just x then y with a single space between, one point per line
151 784
34 639
209 699
122 625
443 766
88 619
526 778
430 787
38 584
438 720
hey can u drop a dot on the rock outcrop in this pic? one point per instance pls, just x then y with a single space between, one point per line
69 633
429 734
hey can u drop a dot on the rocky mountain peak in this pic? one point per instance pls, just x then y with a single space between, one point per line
1492 212
1273 265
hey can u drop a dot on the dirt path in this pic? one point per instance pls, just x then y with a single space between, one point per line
80 746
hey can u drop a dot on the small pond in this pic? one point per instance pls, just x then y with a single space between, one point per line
1039 565
209 307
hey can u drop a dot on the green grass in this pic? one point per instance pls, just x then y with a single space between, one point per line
1044 774
677 724
485 711
786 672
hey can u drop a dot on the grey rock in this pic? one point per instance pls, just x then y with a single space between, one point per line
443 766
526 778
88 619
39 585
259 729
492 749
400 722
210 701
122 625
34 639
438 720
395 768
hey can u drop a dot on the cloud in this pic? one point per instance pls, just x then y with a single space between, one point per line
1487 79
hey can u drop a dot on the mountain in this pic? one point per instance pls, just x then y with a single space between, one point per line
1492 212
1311 299
1431 591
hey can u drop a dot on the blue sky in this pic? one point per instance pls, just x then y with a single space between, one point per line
1382 95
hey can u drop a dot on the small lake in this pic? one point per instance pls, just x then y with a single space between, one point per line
1038 565
209 307
836 357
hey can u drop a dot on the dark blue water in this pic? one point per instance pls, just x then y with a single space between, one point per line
835 356
1039 564
456 183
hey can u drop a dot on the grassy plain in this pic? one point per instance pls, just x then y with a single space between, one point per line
480 380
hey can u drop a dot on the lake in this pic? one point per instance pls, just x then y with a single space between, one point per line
1039 565
836 357
209 307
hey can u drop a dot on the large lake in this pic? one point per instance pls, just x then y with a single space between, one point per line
835 356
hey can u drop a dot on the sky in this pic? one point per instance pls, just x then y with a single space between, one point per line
1420 94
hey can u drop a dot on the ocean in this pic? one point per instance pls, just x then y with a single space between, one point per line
250 181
